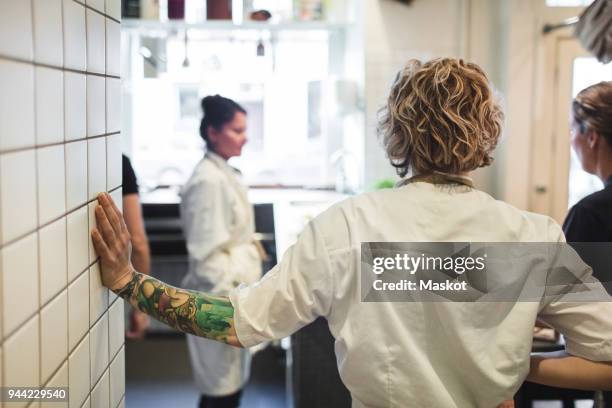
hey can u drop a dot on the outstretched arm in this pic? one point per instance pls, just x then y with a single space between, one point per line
567 371
189 311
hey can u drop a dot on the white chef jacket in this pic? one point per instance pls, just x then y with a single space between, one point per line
218 224
443 354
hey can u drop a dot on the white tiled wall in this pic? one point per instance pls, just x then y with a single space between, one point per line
60 144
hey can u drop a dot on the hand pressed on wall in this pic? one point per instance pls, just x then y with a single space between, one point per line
111 240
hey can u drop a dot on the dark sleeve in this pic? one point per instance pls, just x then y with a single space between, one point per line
130 185
583 225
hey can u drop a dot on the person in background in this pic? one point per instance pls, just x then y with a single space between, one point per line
590 220
132 214
441 123
219 226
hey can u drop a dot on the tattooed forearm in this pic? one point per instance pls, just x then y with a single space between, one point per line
188 311
127 291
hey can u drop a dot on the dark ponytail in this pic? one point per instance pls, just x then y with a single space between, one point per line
593 110
217 112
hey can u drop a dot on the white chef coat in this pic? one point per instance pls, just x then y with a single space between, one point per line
218 224
443 354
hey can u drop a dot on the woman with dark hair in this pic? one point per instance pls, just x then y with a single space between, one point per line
590 220
218 224
441 122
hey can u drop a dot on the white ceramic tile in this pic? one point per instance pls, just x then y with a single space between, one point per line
117 378
113 161
113 48
98 337
59 379
91 207
96 169
96 106
48 41
116 327
98 294
16 29
51 183
95 42
78 374
53 264
112 297
100 397
54 335
1 365
77 238
113 9
117 198
20 282
78 309
76 174
18 194
113 105
75 105
49 105
75 45
96 4
21 356
16 104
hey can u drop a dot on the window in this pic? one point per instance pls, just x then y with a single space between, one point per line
284 78
568 3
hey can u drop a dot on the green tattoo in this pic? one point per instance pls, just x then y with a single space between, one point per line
126 291
186 310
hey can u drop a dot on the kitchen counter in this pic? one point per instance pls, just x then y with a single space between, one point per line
293 208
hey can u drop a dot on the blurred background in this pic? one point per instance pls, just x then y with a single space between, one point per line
82 81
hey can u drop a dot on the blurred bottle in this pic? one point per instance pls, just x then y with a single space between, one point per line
218 9
149 9
176 9
130 9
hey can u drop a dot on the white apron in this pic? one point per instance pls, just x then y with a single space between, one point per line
218 224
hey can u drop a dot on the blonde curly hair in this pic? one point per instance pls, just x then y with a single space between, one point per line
441 116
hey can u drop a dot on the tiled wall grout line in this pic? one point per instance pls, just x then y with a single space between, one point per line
2 324
26 234
63 69
97 11
36 183
87 205
66 360
45 304
62 143
112 357
54 36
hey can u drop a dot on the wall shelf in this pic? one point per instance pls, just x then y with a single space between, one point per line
180 25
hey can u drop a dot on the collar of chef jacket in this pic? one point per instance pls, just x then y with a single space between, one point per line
234 179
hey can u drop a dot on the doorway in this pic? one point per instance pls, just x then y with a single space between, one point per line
574 70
